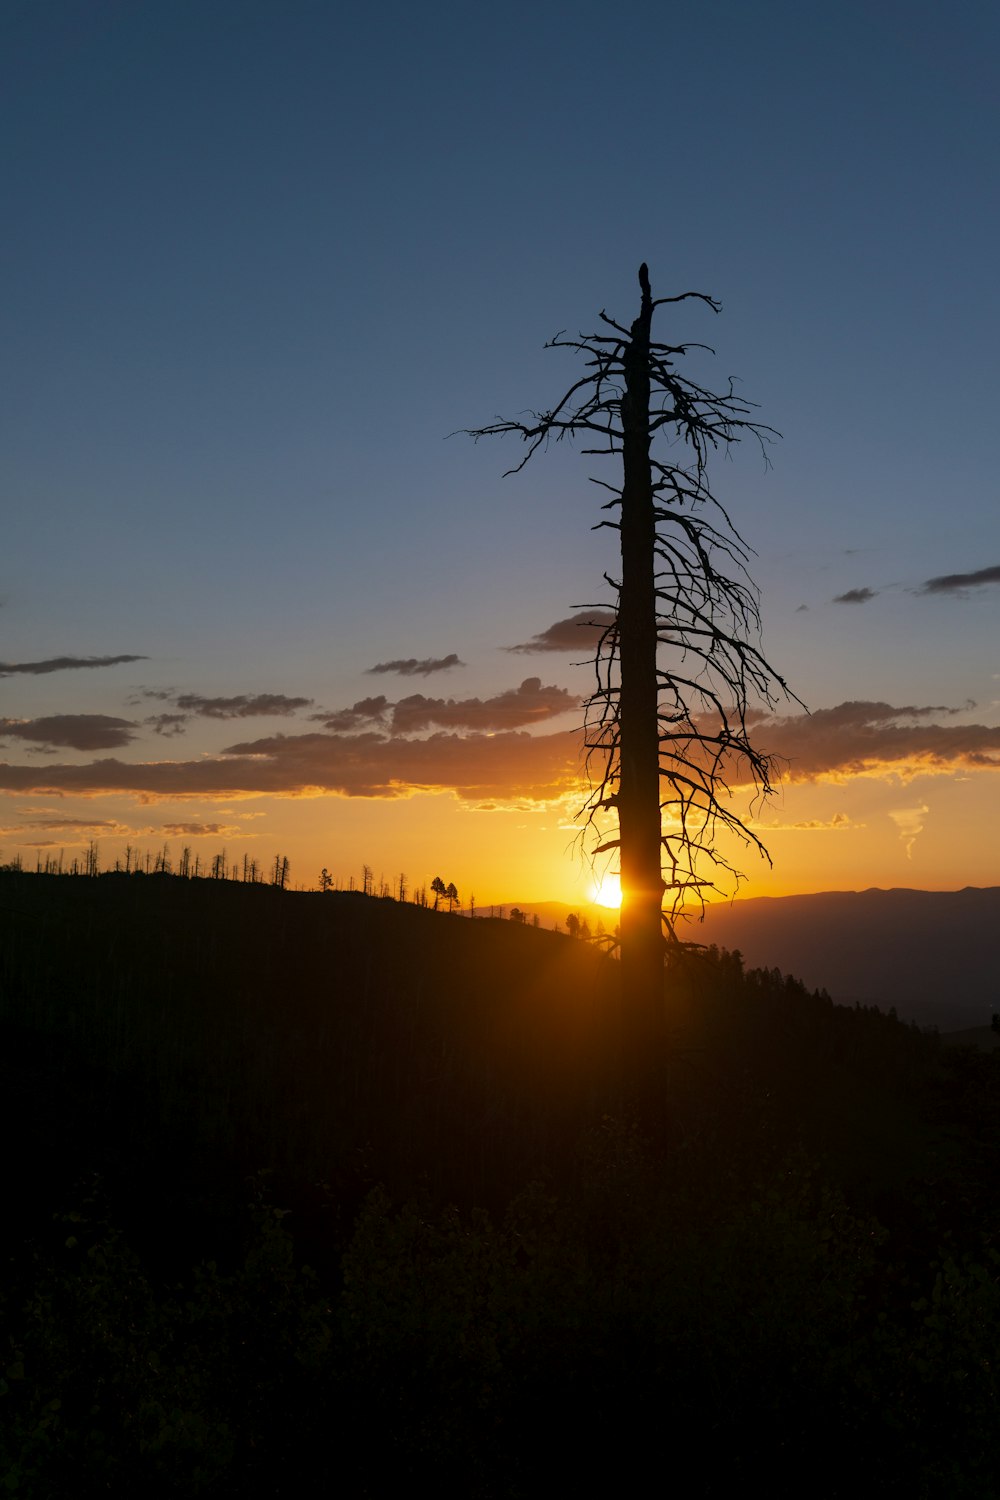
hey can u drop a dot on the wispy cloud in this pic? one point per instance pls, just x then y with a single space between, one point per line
856 596
71 731
199 830
243 706
62 664
839 823
167 724
196 705
67 825
910 822
411 667
951 583
580 632
49 832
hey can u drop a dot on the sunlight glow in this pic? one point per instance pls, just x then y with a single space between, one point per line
607 891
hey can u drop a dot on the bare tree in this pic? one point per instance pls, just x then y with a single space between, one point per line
679 669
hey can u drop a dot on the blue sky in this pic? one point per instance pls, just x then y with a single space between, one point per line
262 259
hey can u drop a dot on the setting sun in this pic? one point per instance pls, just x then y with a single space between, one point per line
608 891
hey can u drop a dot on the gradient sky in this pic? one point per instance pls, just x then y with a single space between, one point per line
261 259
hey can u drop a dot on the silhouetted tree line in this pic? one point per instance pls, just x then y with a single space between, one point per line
158 862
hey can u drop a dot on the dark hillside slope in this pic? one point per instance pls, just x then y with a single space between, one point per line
785 1234
339 1034
349 1040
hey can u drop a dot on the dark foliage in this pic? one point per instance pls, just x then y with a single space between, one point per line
776 1266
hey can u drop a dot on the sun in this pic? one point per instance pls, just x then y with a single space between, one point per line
607 891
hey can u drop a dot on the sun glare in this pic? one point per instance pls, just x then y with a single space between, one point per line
608 891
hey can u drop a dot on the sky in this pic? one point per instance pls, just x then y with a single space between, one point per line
263 263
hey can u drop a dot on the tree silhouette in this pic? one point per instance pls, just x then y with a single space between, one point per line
678 670
439 889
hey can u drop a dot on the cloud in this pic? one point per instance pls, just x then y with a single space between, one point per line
411 667
243 706
62 664
365 713
950 583
199 830
862 738
531 703
71 731
476 767
167 724
839 823
910 822
856 596
195 705
580 632
69 825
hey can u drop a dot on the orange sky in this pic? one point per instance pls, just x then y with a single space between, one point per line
249 595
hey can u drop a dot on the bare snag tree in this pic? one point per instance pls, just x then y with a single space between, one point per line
679 670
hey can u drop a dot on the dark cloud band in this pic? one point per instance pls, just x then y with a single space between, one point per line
62 664
855 596
71 731
412 667
580 632
950 583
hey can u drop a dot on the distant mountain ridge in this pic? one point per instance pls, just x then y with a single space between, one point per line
934 955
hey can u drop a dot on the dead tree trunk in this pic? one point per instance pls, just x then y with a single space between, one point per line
638 794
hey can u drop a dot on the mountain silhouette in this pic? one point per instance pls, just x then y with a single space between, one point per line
931 954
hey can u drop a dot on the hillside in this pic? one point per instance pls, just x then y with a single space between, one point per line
312 1190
